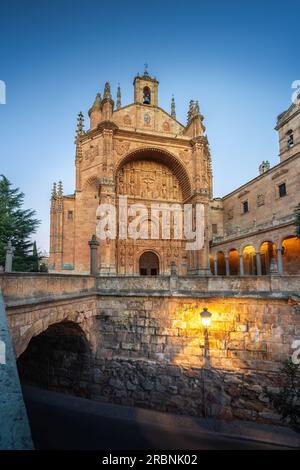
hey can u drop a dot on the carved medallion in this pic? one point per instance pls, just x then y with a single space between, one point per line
147 119
127 120
121 147
91 153
260 200
166 126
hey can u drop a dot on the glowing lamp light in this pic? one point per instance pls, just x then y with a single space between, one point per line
205 318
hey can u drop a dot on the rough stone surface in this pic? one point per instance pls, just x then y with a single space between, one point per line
147 344
14 429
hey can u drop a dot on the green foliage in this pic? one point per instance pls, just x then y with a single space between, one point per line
33 259
43 268
17 224
297 214
287 401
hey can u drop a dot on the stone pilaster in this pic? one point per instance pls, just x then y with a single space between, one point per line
199 259
107 249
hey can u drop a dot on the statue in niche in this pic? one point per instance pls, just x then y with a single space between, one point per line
164 191
175 190
131 186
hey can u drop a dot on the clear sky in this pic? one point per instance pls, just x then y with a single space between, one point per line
238 58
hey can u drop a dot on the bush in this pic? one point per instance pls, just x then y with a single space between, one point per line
287 401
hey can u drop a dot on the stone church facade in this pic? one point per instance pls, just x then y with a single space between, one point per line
142 152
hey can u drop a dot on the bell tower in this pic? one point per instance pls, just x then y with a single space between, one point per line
145 89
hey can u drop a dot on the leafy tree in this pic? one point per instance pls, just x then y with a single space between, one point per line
287 400
34 259
17 224
297 213
43 268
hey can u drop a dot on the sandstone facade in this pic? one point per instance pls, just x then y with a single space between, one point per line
142 152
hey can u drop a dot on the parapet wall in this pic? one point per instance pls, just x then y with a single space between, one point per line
148 345
35 287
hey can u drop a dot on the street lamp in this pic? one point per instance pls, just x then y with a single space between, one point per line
205 317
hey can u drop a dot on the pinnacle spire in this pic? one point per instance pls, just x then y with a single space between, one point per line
80 126
60 189
54 193
190 111
173 111
118 96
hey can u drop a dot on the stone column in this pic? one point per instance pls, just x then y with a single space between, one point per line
227 266
258 264
9 257
273 265
93 243
216 266
241 265
279 261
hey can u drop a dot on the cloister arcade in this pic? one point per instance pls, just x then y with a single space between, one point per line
261 256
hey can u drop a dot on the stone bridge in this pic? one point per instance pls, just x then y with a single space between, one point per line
140 341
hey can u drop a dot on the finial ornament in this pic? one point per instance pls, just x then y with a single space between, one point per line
60 189
107 91
80 126
118 97
173 110
190 111
54 193
194 110
146 69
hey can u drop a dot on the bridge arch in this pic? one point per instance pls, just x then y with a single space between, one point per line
58 359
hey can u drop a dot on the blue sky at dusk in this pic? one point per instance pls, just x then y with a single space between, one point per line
238 58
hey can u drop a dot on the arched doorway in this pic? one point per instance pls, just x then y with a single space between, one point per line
156 184
149 264
58 359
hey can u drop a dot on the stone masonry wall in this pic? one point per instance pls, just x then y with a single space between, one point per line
153 352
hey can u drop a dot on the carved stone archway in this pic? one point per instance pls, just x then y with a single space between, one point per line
149 264
164 157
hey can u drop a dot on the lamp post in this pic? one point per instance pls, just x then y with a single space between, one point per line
205 318
206 322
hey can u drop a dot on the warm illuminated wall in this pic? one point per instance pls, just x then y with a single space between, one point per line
291 255
151 352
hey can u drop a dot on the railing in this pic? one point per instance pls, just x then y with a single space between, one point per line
255 228
27 288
